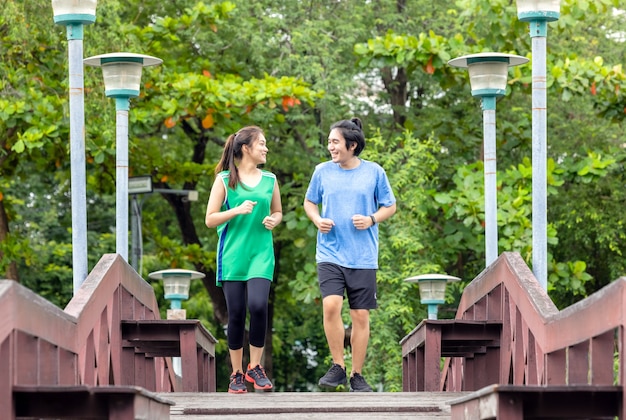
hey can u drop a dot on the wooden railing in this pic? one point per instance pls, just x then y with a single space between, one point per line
539 345
40 344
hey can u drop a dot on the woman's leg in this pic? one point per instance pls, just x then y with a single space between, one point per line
258 296
235 294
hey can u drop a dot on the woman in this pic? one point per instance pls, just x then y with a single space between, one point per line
245 206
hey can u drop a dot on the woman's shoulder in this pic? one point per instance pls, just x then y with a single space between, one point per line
267 173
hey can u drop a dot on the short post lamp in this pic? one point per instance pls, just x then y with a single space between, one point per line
538 13
488 80
432 290
74 14
122 77
176 284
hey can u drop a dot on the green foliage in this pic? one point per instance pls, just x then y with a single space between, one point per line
294 69
404 251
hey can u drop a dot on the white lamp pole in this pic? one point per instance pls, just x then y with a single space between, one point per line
488 79
122 77
74 14
432 290
538 13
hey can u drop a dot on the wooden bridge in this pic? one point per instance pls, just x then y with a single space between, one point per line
508 354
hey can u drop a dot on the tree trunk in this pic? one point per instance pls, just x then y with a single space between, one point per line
11 273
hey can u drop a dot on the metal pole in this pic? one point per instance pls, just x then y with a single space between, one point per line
134 238
432 310
122 106
538 33
491 200
77 154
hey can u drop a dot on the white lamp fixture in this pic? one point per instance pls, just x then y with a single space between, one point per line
547 10
176 284
122 72
74 11
432 290
122 77
488 79
488 71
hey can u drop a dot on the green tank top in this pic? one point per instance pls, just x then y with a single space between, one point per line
245 248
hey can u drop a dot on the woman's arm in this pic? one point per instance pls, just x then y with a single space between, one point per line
214 215
276 210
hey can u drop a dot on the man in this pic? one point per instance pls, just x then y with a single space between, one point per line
355 195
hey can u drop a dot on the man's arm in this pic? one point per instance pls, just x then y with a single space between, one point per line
313 212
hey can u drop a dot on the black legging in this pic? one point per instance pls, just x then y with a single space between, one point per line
258 291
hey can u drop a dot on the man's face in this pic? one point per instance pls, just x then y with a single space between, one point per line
337 147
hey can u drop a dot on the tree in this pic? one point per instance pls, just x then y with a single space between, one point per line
294 68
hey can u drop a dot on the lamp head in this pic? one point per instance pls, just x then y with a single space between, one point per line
122 71
538 10
432 287
176 282
488 71
74 11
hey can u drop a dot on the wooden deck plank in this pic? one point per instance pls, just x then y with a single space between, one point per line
311 405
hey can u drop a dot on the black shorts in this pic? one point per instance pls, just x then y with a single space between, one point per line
358 284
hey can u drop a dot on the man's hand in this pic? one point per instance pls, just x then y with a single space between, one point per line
362 222
325 225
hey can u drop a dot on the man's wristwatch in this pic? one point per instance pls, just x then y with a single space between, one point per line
373 219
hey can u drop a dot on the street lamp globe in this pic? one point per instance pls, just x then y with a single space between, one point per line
488 71
176 283
122 72
531 10
432 290
74 11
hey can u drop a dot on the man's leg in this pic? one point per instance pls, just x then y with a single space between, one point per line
360 338
333 327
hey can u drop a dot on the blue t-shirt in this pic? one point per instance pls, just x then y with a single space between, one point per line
344 193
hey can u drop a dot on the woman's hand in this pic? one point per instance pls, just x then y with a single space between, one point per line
270 223
246 207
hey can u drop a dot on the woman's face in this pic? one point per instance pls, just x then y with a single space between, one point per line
339 153
257 150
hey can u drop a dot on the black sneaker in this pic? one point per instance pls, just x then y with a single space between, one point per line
359 384
237 385
335 376
258 377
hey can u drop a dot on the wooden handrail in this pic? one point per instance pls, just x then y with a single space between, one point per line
541 345
43 345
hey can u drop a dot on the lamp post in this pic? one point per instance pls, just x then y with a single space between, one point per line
432 290
122 77
143 185
488 79
74 14
176 284
538 13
